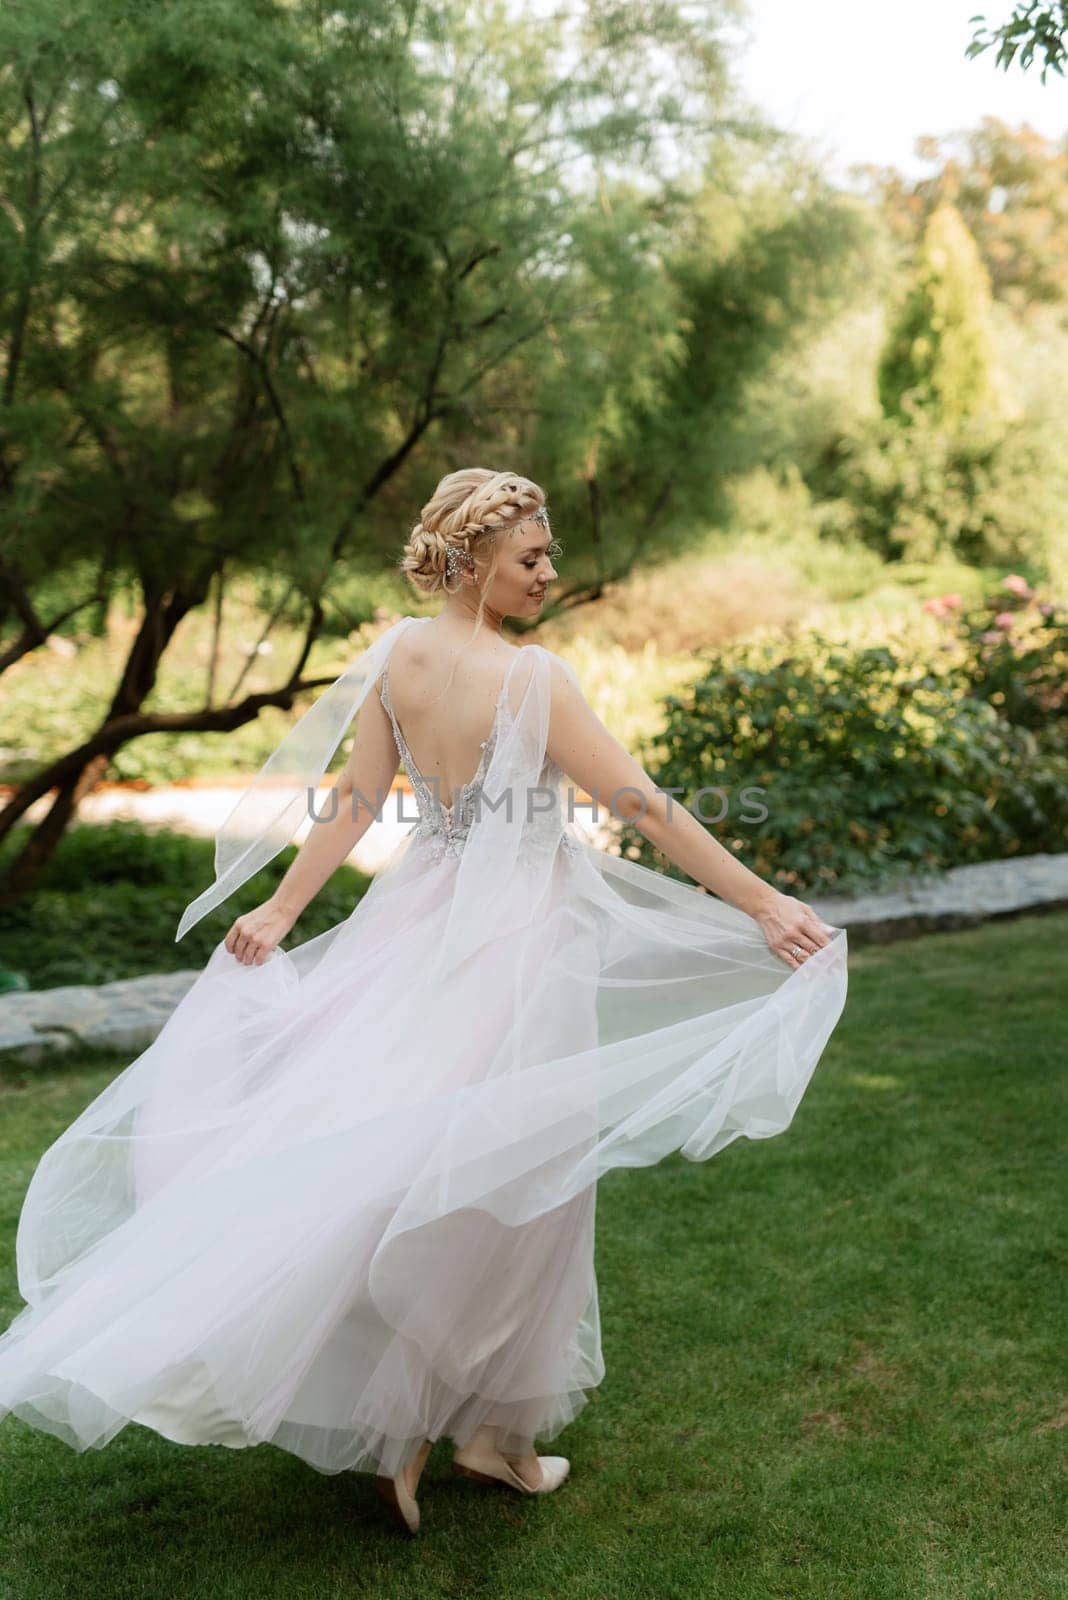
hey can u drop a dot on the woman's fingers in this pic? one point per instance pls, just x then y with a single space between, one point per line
810 931
818 929
806 934
246 945
255 935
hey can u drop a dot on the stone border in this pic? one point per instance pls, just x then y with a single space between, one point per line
128 1014
958 898
36 1024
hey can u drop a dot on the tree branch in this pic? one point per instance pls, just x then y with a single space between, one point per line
256 358
119 730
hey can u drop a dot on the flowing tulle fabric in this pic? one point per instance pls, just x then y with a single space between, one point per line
345 1201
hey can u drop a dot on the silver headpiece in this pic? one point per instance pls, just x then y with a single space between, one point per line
457 559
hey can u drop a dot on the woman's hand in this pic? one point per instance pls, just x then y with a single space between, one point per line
791 926
258 932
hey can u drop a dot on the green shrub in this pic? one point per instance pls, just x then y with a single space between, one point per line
869 762
979 492
1015 657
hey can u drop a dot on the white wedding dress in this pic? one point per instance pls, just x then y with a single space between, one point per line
345 1200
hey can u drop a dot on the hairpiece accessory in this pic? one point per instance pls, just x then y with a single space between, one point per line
457 559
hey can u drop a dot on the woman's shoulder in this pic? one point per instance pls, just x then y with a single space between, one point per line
554 665
533 648
558 668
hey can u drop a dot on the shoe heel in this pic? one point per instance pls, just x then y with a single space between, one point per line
401 1506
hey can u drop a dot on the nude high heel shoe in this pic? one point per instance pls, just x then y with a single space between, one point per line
399 1497
490 1466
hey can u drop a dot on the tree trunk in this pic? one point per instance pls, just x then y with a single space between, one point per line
41 845
73 774
76 773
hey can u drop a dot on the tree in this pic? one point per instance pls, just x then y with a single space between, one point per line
937 360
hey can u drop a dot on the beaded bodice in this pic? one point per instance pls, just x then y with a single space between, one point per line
443 829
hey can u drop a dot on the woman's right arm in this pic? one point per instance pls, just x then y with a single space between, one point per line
595 760
337 827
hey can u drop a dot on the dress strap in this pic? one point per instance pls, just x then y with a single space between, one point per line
402 744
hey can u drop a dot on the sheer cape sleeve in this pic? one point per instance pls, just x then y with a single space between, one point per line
272 807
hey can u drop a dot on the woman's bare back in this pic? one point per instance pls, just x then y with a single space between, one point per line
444 690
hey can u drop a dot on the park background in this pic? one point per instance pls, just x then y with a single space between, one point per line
267 272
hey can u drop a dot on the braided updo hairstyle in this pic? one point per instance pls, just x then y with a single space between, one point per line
466 510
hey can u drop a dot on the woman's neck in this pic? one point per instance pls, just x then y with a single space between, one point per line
462 608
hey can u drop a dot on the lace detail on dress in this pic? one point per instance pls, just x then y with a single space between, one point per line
442 830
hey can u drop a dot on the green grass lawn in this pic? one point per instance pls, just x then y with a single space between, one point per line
835 1359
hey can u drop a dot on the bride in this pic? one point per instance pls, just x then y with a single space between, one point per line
344 1202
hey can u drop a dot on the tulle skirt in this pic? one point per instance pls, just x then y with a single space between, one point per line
340 1208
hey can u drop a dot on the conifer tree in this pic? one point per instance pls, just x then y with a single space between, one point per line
937 364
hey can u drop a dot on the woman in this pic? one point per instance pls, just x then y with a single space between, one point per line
344 1203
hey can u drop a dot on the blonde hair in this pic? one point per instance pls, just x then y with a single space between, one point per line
467 510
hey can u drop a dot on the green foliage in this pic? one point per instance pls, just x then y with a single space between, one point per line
1036 28
977 492
838 767
805 544
937 361
757 265
1013 654
108 903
